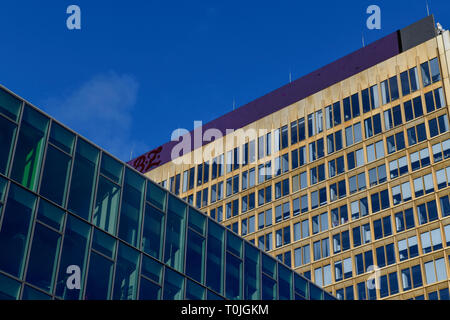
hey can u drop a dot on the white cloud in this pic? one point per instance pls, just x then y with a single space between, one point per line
101 109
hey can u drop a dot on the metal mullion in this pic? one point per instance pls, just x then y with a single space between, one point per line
116 231
44 158
88 260
58 262
72 164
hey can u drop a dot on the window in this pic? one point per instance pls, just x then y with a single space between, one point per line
435 270
438 125
445 206
404 220
401 193
363 261
416 134
339 215
431 240
372 126
426 77
427 212
398 167
411 277
334 142
375 151
380 201
341 242
385 255
408 248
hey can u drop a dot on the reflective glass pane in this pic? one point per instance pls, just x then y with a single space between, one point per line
252 273
74 253
99 278
111 168
156 195
61 137
195 255
149 290
194 291
131 210
83 179
55 176
215 260
175 234
30 293
50 214
173 285
152 238
30 146
9 288
9 105
106 205
126 278
7 135
43 257
15 230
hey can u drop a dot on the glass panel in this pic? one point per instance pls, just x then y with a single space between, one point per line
111 168
233 279
152 269
15 230
173 285
104 243
195 256
99 278
149 290
284 283
131 210
9 288
194 291
175 234
9 105
30 293
74 253
83 179
126 279
156 195
152 240
56 175
61 137
234 244
215 263
30 146
43 258
106 205
50 214
252 273
7 136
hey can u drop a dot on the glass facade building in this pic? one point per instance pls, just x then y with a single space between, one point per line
349 170
76 223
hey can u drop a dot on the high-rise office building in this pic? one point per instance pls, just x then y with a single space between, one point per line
343 171
76 223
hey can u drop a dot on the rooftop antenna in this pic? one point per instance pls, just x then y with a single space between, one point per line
131 153
362 37
234 103
428 8
290 76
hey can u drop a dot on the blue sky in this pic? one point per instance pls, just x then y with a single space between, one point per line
137 70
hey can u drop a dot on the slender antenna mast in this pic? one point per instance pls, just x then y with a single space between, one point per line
362 37
290 76
428 8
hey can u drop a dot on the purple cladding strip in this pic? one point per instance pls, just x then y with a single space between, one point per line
299 89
